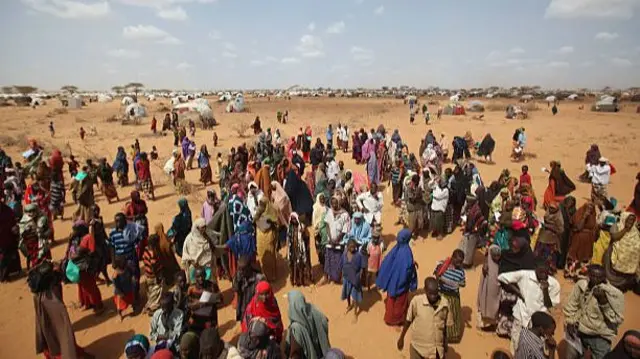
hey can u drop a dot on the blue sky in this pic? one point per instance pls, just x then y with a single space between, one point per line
210 44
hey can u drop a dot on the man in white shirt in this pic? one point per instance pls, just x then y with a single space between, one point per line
332 168
438 207
370 203
600 176
536 292
254 197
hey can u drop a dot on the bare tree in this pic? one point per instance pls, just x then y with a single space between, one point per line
117 89
8 90
25 90
135 87
69 88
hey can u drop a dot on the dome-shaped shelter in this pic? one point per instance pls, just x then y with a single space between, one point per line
127 100
135 110
236 105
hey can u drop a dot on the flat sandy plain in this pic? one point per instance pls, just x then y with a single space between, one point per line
564 137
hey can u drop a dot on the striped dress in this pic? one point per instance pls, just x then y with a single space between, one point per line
57 198
451 291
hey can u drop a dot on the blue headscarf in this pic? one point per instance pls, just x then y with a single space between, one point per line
121 164
243 243
359 233
397 273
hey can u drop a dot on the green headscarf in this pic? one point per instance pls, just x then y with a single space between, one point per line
309 327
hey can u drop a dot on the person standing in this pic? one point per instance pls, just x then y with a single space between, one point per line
536 292
144 176
308 332
600 177
451 278
439 204
153 274
123 240
429 316
180 226
593 314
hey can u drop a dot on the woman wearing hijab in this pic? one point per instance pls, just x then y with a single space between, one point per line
197 251
264 305
81 248
212 347
298 251
486 148
237 208
397 277
337 222
210 206
281 202
144 176
584 232
568 209
489 289
308 332
179 176
622 259
319 226
591 159
560 185
548 244
256 343
266 238
301 199
206 175
356 148
180 226
369 155
166 254
136 211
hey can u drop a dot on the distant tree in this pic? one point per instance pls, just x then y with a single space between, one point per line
117 89
135 87
25 90
69 88
8 90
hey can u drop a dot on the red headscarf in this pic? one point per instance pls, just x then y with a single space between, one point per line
268 310
137 206
55 161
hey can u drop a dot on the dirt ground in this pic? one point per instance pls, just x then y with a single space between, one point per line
564 137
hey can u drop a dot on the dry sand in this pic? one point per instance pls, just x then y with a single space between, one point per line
564 137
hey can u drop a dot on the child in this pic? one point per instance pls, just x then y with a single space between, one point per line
154 125
215 139
82 133
219 162
73 166
451 277
375 249
154 153
352 265
124 286
412 118
52 130
192 128
153 274
203 299
180 291
396 181
525 177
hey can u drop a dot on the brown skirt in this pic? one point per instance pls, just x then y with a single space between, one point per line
206 175
109 190
396 309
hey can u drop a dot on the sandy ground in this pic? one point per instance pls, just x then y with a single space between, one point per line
564 137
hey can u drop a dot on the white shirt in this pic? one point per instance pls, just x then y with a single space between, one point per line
600 174
253 201
337 224
532 293
332 170
373 204
440 199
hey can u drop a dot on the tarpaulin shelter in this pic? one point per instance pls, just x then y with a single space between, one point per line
475 106
127 100
606 104
196 110
454 109
236 105
135 110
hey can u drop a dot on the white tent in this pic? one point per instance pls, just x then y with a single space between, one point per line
135 110
236 105
225 97
202 101
572 97
455 98
526 97
197 107
127 100
104 98
37 101
550 99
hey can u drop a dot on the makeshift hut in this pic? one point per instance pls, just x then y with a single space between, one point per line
526 98
550 99
475 106
572 97
74 102
236 105
151 98
196 111
37 101
127 100
135 111
606 104
515 112
454 109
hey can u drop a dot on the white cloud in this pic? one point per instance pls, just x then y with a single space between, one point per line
271 59
517 50
606 36
362 55
68 9
565 50
229 55
229 46
215 35
124 53
558 64
310 46
336 28
149 32
176 13
572 9
379 10
257 63
183 66
617 61
311 26
290 60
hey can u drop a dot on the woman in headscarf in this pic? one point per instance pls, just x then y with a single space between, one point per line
238 177
56 162
105 174
210 206
486 148
301 199
266 238
321 180
264 305
197 251
356 148
474 229
369 155
136 211
298 252
584 233
308 332
548 244
179 176
253 198
398 277
144 176
489 289
82 246
166 254
82 188
256 342
212 347
319 226
281 203
337 222
360 231
206 175
34 236
237 208
591 159
184 146
560 185
180 226
568 209
622 259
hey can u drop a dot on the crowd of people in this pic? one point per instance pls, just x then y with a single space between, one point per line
292 194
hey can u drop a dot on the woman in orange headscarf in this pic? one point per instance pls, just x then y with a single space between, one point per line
559 185
264 305
168 259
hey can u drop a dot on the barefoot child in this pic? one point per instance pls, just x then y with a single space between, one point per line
352 265
153 274
375 249
124 286
215 139
82 133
